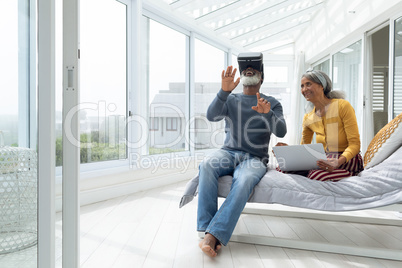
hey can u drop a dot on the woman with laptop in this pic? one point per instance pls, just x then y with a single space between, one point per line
333 120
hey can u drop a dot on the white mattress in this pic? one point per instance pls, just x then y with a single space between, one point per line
378 186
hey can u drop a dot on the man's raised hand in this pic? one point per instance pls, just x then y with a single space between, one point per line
263 106
228 83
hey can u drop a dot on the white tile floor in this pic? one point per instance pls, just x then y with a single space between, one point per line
147 229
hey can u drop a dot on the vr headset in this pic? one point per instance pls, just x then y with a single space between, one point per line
253 60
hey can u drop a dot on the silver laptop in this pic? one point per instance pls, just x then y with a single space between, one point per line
299 157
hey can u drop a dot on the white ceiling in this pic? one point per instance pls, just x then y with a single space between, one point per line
255 25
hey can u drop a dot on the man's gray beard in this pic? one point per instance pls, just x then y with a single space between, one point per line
250 80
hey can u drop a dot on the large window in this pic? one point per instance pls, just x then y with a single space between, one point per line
103 59
398 68
346 74
209 63
18 128
167 88
13 71
346 71
323 66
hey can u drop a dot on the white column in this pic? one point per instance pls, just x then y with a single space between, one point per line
23 73
71 146
46 136
138 93
391 70
192 94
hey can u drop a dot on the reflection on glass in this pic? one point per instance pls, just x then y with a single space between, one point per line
103 80
209 63
346 73
398 68
167 89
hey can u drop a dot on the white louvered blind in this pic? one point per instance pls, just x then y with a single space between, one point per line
379 87
398 91
380 97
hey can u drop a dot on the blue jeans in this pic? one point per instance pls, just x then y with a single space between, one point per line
247 171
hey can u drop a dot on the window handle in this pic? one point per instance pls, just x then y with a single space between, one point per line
70 77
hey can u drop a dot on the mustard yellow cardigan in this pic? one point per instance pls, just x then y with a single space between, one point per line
337 130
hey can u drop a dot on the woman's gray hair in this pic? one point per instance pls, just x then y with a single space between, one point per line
323 79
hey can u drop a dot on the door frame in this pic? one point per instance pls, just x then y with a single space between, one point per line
46 133
391 76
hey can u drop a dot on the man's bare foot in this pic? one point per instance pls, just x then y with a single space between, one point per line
210 245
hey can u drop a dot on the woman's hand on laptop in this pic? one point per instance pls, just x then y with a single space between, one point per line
327 165
331 164
281 144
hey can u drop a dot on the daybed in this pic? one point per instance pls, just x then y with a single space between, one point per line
378 185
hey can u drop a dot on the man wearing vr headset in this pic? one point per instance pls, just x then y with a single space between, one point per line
250 118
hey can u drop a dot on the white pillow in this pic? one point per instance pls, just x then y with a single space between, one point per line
385 142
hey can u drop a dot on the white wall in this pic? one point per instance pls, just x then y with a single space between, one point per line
336 26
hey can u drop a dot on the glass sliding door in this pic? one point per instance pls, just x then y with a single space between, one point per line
346 74
18 151
379 73
323 66
397 75
346 71
103 80
13 74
